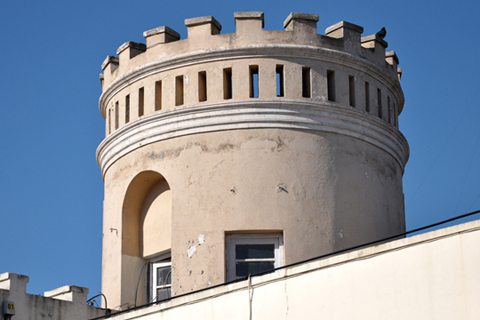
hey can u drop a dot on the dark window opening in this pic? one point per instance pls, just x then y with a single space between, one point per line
158 95
202 86
351 90
331 85
253 81
306 83
227 83
179 90
127 108
280 81
140 101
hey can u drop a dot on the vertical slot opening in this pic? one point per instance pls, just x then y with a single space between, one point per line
202 86
127 108
306 83
395 119
379 103
116 116
351 90
391 116
179 90
158 95
140 101
253 81
109 120
367 97
227 83
280 81
331 85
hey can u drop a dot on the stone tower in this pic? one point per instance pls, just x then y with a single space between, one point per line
230 154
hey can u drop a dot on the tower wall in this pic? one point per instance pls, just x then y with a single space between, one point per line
282 132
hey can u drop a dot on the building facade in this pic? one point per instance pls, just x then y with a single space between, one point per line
231 154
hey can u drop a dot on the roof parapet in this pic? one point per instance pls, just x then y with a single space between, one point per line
161 34
13 282
202 27
68 293
301 22
249 22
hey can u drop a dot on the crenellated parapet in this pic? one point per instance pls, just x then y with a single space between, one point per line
340 68
338 72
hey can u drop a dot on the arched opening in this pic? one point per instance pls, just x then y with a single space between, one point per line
146 232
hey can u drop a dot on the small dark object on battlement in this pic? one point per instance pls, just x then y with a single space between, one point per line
382 33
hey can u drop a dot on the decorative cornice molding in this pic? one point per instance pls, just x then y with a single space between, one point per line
341 58
248 114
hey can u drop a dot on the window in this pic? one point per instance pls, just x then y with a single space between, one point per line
116 116
351 90
127 108
306 82
160 279
331 85
179 90
367 97
379 103
280 81
141 96
227 83
253 253
253 81
158 95
202 86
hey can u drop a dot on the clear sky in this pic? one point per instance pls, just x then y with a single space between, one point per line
51 189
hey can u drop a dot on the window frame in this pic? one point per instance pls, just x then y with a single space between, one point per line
252 238
158 262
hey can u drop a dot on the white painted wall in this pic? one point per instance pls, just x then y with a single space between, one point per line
430 276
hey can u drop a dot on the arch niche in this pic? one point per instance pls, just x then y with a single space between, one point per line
147 216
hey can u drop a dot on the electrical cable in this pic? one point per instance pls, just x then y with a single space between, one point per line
138 283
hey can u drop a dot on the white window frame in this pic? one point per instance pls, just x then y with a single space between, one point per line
252 238
159 262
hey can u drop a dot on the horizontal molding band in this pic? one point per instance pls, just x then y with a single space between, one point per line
248 114
296 52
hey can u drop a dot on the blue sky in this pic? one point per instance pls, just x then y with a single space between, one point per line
51 187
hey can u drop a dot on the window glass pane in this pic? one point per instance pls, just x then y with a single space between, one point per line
164 293
243 269
252 251
164 276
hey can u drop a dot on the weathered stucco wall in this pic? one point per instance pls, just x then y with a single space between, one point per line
430 276
323 191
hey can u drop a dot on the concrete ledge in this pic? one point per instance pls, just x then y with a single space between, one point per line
132 45
68 293
373 38
160 30
300 16
344 24
250 16
250 114
203 20
108 60
392 55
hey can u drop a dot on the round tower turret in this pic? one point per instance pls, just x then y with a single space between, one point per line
227 154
